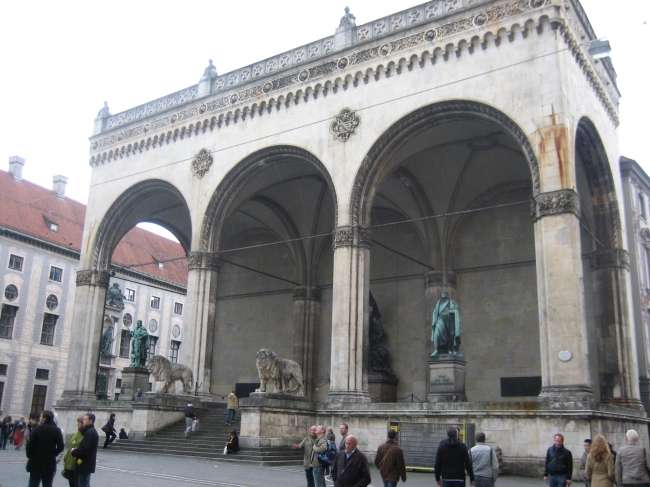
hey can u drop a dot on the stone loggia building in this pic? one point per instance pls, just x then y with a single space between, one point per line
467 145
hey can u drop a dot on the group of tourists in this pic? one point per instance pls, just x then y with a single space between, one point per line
600 465
15 432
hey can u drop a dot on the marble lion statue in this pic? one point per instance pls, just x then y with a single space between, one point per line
272 368
165 371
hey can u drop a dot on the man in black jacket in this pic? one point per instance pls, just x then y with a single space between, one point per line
452 460
350 467
558 466
109 429
86 452
44 444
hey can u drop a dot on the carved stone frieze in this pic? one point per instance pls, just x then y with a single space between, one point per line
351 237
101 278
83 278
201 163
204 260
441 279
618 258
345 124
92 278
554 202
311 293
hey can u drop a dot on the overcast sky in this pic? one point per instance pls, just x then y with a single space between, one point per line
60 60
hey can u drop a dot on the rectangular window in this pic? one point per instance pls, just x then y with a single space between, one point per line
130 294
38 399
641 206
150 386
15 262
7 321
2 390
118 383
42 374
56 274
155 302
520 386
47 333
178 308
153 341
174 351
3 369
125 344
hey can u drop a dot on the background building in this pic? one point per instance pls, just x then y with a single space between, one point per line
40 242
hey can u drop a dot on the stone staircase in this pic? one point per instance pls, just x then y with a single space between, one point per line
208 443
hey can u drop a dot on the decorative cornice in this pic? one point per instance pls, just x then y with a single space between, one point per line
555 202
304 293
441 279
37 242
617 258
311 81
351 237
204 260
92 278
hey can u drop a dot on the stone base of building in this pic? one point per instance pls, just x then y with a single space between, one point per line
447 379
382 388
134 378
145 416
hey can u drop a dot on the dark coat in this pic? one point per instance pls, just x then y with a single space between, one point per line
110 426
353 473
452 460
559 461
45 443
390 462
87 450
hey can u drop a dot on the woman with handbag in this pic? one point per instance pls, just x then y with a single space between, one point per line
70 462
232 446
600 464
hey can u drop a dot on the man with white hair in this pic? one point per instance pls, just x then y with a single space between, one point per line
632 463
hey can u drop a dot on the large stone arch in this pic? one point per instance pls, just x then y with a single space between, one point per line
134 206
372 169
237 177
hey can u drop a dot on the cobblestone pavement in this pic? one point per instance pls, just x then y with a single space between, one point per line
121 469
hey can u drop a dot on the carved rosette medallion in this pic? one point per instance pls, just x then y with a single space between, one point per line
617 258
441 279
201 163
345 124
304 293
351 237
554 202
203 260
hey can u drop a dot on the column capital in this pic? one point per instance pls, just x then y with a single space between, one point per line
92 278
351 237
554 202
441 279
305 293
204 260
617 258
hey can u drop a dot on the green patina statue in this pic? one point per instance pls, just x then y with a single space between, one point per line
445 326
107 341
139 345
114 296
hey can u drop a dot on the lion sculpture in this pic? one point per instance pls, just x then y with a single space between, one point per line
165 371
281 370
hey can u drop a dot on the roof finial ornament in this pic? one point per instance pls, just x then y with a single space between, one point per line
104 112
210 71
348 20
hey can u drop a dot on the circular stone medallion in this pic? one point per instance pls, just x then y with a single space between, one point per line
430 35
267 87
564 355
304 75
342 63
176 331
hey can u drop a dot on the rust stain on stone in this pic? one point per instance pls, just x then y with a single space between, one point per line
555 140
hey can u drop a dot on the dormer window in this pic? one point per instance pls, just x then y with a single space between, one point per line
54 228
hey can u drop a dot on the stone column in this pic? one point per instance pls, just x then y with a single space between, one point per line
562 325
306 318
86 334
350 313
198 328
619 375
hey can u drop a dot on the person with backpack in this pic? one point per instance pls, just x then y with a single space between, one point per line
390 461
484 463
312 465
189 417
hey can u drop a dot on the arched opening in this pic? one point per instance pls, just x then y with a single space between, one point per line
274 288
473 169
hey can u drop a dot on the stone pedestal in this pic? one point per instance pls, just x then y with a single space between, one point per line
382 388
447 379
134 378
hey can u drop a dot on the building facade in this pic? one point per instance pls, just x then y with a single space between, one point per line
40 242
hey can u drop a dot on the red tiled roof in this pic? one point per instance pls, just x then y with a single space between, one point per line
26 208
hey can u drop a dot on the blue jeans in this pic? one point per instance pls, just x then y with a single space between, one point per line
557 481
319 476
483 481
310 477
81 479
231 416
453 483
35 478
388 483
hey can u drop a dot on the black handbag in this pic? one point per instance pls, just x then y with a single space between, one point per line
66 474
